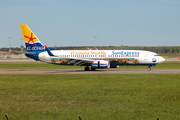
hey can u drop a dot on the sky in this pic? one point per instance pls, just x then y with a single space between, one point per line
76 22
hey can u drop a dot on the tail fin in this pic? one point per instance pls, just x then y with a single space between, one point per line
31 41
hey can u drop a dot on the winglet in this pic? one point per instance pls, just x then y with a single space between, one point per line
49 52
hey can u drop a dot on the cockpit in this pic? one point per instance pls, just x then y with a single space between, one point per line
155 55
156 58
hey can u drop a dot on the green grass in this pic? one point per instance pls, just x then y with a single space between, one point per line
94 97
35 65
41 65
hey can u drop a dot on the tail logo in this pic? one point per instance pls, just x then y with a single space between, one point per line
31 39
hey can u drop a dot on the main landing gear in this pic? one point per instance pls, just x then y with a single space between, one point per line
87 69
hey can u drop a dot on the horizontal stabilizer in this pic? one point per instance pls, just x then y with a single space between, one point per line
29 53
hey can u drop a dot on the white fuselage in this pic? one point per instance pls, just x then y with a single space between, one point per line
128 57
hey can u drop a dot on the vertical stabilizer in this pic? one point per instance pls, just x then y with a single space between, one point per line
32 43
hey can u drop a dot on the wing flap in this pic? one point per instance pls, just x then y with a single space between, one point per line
80 61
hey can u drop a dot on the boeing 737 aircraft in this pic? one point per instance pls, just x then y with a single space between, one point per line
91 59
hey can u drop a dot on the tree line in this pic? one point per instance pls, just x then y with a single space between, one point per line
159 49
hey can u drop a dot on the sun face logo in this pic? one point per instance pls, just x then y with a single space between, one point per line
31 39
154 60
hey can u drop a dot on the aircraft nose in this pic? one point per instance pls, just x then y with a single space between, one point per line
161 59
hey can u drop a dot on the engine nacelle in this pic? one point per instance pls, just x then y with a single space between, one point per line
100 64
114 66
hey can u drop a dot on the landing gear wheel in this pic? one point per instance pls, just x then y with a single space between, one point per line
92 69
148 68
86 68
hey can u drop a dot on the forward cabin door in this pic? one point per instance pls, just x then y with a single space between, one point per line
145 57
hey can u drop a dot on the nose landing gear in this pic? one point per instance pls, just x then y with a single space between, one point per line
148 68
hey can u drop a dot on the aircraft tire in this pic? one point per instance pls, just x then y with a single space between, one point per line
86 68
92 69
148 68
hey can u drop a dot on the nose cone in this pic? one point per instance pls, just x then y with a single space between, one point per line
161 59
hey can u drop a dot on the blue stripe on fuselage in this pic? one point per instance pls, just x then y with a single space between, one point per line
35 56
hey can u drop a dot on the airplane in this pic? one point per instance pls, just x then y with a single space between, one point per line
91 59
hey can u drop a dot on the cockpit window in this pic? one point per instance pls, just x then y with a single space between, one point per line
155 55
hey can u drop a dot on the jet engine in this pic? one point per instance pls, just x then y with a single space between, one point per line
100 64
114 66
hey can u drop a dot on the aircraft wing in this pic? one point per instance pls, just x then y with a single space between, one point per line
75 61
80 61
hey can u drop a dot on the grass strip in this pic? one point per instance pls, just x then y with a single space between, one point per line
64 97
41 65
